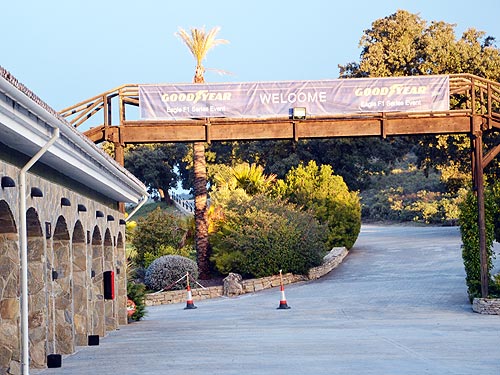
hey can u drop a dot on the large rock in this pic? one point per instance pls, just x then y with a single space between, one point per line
233 285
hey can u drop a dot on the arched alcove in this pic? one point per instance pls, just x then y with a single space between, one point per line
9 286
61 290
38 314
121 279
81 293
110 309
97 289
7 223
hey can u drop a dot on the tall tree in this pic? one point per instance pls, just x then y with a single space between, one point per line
154 164
404 44
199 42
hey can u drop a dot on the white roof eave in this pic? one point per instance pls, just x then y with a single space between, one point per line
72 154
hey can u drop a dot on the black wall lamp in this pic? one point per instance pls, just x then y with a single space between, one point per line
65 202
36 192
7 182
111 218
99 214
122 222
82 208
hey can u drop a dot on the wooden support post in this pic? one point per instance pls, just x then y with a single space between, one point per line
295 131
119 153
382 126
120 158
208 132
481 221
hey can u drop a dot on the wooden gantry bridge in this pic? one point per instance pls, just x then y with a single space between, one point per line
478 113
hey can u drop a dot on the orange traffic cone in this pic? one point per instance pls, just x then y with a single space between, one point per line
283 304
189 301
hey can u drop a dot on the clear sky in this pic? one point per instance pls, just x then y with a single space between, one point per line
68 51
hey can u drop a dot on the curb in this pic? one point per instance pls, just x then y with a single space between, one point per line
331 261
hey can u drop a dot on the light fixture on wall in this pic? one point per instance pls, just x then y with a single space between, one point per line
122 222
36 192
82 208
48 229
299 113
111 218
7 182
99 214
65 202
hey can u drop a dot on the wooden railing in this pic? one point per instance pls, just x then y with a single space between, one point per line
468 93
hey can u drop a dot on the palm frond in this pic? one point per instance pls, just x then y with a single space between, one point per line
200 42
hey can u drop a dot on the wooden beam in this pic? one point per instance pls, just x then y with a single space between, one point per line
491 155
231 130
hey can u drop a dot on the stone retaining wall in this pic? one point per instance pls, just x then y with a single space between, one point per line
487 306
330 261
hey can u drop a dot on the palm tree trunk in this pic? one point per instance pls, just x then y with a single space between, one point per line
200 210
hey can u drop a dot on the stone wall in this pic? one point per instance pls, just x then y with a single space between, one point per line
62 270
330 261
487 306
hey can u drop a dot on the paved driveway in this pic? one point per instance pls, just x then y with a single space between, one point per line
397 305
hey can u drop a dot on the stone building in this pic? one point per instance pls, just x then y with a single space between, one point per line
60 231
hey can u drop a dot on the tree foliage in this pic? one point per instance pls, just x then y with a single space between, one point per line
137 293
404 44
327 195
470 239
260 236
154 233
155 165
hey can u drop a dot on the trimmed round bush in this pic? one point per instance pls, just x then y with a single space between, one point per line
166 270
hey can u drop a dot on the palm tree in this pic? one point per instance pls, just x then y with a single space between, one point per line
199 43
249 177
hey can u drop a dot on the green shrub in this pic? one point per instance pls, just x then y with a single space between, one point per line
327 195
137 293
398 204
187 251
263 235
166 270
470 240
155 232
496 214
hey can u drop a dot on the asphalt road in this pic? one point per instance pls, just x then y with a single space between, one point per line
396 306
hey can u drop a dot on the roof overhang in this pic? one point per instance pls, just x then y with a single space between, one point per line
26 125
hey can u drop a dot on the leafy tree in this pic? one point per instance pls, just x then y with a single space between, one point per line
348 157
155 166
155 233
327 195
259 236
199 43
404 44
470 239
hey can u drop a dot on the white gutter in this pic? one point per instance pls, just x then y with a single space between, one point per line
23 242
143 200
